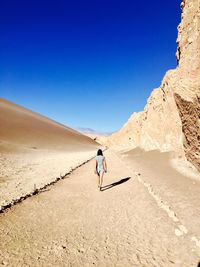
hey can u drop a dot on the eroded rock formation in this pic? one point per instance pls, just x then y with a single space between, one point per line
171 118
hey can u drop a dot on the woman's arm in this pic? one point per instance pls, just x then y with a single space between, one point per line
95 167
105 165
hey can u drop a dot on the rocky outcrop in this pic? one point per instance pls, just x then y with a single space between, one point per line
170 120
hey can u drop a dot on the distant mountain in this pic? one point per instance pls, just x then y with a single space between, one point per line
90 131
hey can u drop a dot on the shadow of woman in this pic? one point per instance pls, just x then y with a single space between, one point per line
106 187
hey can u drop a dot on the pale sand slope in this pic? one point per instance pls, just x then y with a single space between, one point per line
73 224
35 150
99 139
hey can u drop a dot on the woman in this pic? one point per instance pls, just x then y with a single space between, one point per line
100 167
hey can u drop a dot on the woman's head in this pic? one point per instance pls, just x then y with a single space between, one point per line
99 152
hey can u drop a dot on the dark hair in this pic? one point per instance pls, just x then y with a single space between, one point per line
99 152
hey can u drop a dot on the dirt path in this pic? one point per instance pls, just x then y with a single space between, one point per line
73 224
178 191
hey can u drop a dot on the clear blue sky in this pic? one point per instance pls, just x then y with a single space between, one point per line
86 63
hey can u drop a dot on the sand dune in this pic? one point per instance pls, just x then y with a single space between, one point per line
28 129
34 150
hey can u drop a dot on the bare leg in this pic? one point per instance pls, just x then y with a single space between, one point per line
101 178
98 180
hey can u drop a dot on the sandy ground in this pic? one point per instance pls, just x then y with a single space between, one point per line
179 190
23 173
73 224
35 151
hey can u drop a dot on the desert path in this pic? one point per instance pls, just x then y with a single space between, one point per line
73 224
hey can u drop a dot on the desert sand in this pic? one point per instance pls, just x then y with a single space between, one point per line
177 183
72 223
147 214
35 151
98 137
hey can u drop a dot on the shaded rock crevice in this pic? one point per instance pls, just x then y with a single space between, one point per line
190 117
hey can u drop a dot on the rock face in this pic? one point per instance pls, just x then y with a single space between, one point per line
171 118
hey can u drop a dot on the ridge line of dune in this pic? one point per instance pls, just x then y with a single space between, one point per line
35 113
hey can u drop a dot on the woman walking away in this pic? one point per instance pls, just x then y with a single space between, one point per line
100 167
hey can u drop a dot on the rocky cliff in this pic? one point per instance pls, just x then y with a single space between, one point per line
170 120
